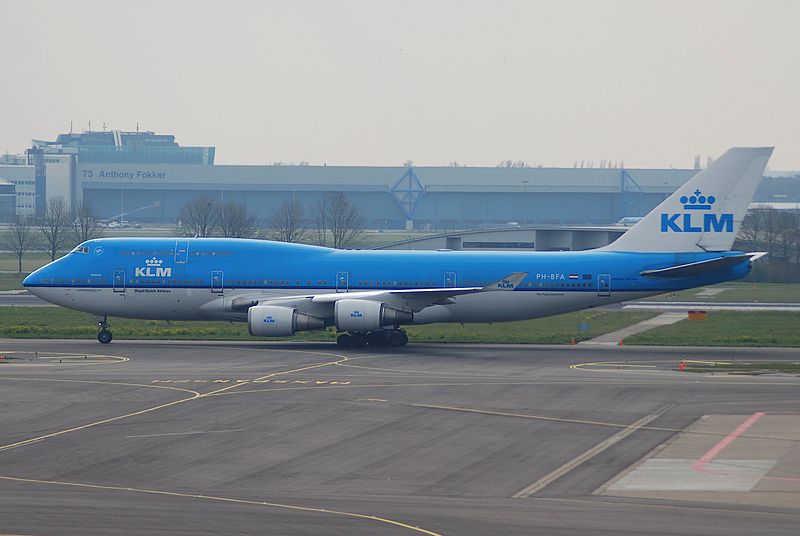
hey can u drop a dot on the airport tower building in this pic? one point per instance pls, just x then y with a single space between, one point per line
8 201
56 164
14 169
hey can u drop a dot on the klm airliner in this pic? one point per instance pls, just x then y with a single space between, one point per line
280 289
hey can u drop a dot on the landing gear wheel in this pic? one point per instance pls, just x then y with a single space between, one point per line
344 340
376 338
395 339
104 336
404 337
359 339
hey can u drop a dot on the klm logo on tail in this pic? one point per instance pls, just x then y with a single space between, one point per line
692 222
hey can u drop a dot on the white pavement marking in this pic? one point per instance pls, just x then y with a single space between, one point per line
669 474
687 306
189 433
664 319
709 292
589 454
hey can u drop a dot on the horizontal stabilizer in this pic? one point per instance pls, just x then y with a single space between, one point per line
691 269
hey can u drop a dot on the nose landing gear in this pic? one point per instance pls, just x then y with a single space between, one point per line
384 337
104 335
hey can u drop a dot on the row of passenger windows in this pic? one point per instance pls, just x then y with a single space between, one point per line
170 252
212 253
74 281
146 253
562 285
405 284
273 282
277 283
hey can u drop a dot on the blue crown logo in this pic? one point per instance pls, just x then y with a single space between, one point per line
698 201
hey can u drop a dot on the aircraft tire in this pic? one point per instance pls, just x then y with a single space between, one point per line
395 339
359 339
376 338
344 340
104 336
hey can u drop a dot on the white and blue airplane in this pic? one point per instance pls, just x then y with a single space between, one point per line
280 289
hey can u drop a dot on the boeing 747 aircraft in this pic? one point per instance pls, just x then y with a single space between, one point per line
280 289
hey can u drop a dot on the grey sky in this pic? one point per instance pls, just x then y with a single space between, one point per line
372 82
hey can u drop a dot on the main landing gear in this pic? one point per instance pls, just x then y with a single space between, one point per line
104 335
384 337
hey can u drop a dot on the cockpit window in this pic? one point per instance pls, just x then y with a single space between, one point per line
81 249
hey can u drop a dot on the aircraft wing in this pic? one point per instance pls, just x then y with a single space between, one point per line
411 299
408 299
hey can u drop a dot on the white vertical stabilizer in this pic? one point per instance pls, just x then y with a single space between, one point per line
705 213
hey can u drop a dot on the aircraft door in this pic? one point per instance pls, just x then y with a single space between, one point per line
181 252
449 279
604 284
342 281
217 281
119 281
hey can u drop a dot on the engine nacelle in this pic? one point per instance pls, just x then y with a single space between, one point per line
277 321
366 315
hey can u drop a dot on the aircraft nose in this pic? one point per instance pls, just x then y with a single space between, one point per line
33 280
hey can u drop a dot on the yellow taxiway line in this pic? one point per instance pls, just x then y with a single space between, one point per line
194 396
56 358
201 496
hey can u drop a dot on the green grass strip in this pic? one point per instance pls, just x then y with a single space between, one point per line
728 328
60 323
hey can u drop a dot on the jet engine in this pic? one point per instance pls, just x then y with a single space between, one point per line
366 315
277 321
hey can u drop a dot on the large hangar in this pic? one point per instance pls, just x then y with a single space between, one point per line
423 198
148 177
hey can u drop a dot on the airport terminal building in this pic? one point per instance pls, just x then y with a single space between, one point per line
148 177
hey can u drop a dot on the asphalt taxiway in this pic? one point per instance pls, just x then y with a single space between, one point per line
257 438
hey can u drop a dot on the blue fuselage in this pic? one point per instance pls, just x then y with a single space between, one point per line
199 278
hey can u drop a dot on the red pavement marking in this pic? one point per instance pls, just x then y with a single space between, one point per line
699 465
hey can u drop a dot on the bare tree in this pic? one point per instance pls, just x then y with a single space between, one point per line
19 238
285 223
778 233
751 231
794 234
517 164
199 217
321 211
54 226
335 213
236 222
761 228
84 224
